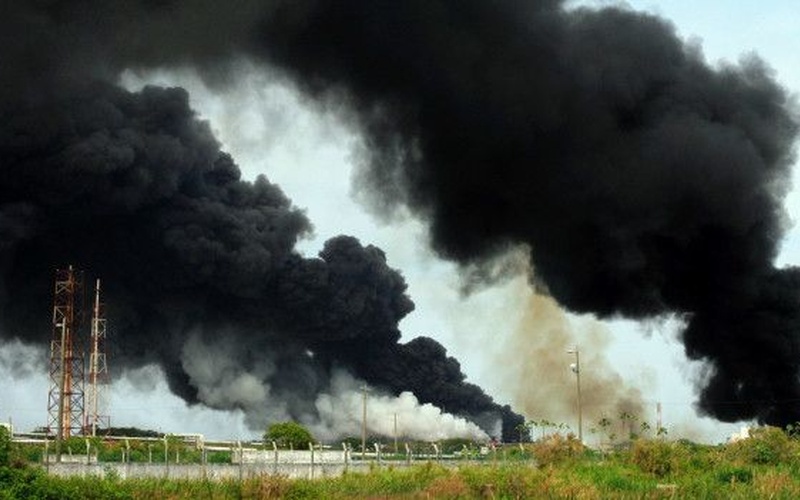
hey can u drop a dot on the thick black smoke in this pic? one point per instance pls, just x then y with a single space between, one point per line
134 187
642 180
199 268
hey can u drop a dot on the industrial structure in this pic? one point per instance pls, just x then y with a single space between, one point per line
65 401
68 414
98 369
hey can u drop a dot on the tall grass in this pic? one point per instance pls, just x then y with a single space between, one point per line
765 466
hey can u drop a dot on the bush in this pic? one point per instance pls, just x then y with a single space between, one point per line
557 448
449 486
11 454
289 434
218 457
453 445
657 457
732 475
5 446
765 446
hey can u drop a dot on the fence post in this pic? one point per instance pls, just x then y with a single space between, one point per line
166 457
127 459
275 462
241 460
311 449
204 460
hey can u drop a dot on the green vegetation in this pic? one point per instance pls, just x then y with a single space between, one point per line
106 449
289 435
130 432
5 445
767 465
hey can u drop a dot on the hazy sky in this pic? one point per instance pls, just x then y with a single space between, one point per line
269 129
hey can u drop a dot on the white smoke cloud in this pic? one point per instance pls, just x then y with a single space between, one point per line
222 382
141 398
215 369
22 360
340 414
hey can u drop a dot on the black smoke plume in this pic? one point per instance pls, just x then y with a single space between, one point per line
642 180
197 265
195 260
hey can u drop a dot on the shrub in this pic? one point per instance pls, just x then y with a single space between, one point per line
557 448
765 446
517 453
449 486
775 484
289 434
453 445
266 487
218 457
607 478
657 457
5 446
733 474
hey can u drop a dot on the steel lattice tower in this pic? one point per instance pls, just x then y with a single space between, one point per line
65 402
98 368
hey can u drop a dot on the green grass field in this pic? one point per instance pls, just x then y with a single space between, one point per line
764 466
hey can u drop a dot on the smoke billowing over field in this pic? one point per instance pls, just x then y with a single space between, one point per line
640 180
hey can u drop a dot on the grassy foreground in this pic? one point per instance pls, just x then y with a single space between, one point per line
765 466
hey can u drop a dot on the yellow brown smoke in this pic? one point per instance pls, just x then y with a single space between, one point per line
542 384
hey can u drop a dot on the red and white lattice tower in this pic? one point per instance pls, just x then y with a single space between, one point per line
66 398
98 369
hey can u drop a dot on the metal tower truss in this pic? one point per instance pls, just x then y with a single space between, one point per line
65 402
98 369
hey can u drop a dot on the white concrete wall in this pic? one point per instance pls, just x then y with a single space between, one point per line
251 456
210 471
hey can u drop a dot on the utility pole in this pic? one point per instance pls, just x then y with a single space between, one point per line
576 368
364 422
395 433
658 419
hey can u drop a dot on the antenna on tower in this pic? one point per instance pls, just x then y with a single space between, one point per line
65 398
98 368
